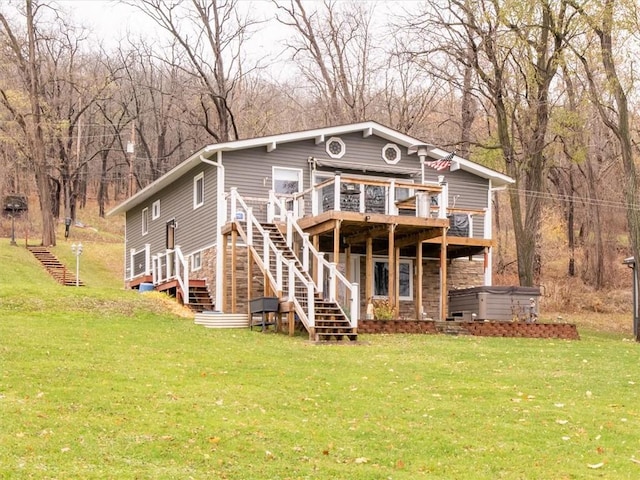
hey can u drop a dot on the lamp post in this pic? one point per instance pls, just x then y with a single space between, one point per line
77 251
13 207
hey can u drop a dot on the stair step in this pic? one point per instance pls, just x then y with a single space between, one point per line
331 323
54 267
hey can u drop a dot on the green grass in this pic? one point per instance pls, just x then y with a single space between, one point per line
99 382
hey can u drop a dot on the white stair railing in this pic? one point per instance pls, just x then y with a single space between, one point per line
264 258
350 305
171 265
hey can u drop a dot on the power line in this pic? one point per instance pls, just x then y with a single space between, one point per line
567 198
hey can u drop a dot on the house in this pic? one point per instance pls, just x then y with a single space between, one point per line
328 219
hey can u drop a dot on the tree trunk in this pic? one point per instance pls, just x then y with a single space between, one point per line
41 168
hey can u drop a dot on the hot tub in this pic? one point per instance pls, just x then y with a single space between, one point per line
493 303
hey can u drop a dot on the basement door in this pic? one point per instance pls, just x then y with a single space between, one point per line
171 245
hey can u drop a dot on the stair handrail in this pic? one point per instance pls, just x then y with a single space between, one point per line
178 271
252 222
182 273
336 277
307 317
310 250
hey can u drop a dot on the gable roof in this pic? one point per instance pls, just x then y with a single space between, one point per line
319 134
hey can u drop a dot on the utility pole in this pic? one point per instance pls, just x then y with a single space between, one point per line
131 151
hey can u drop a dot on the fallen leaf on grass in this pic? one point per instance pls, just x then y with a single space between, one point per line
361 460
595 465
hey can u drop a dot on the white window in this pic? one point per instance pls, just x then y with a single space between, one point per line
391 153
196 261
381 279
198 190
287 180
336 147
155 210
145 221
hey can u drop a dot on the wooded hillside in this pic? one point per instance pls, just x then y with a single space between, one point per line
543 91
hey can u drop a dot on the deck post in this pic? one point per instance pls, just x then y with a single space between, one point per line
279 261
392 267
336 254
391 207
487 266
249 279
223 252
249 225
234 241
336 241
305 252
396 288
443 275
368 287
320 273
418 282
315 240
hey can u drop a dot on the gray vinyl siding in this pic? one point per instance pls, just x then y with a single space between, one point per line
196 228
250 171
467 191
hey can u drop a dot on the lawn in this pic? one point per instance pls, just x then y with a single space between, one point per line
98 382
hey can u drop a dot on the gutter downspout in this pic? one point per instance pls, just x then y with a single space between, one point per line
221 214
488 229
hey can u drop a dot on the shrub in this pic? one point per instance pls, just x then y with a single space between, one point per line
382 309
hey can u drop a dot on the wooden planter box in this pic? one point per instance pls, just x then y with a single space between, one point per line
264 306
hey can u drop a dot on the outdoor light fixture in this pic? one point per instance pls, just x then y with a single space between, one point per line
77 251
12 206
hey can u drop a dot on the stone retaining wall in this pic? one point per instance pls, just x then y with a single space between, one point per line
566 331
396 326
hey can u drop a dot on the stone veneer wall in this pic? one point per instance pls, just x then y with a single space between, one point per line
461 273
208 273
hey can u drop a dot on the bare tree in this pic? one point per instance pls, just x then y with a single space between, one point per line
610 98
513 51
212 34
23 50
333 46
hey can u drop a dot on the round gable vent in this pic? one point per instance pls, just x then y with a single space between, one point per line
336 147
391 153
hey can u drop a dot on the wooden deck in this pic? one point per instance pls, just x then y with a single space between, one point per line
356 228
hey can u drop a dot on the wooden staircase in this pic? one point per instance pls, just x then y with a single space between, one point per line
199 295
54 267
330 322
